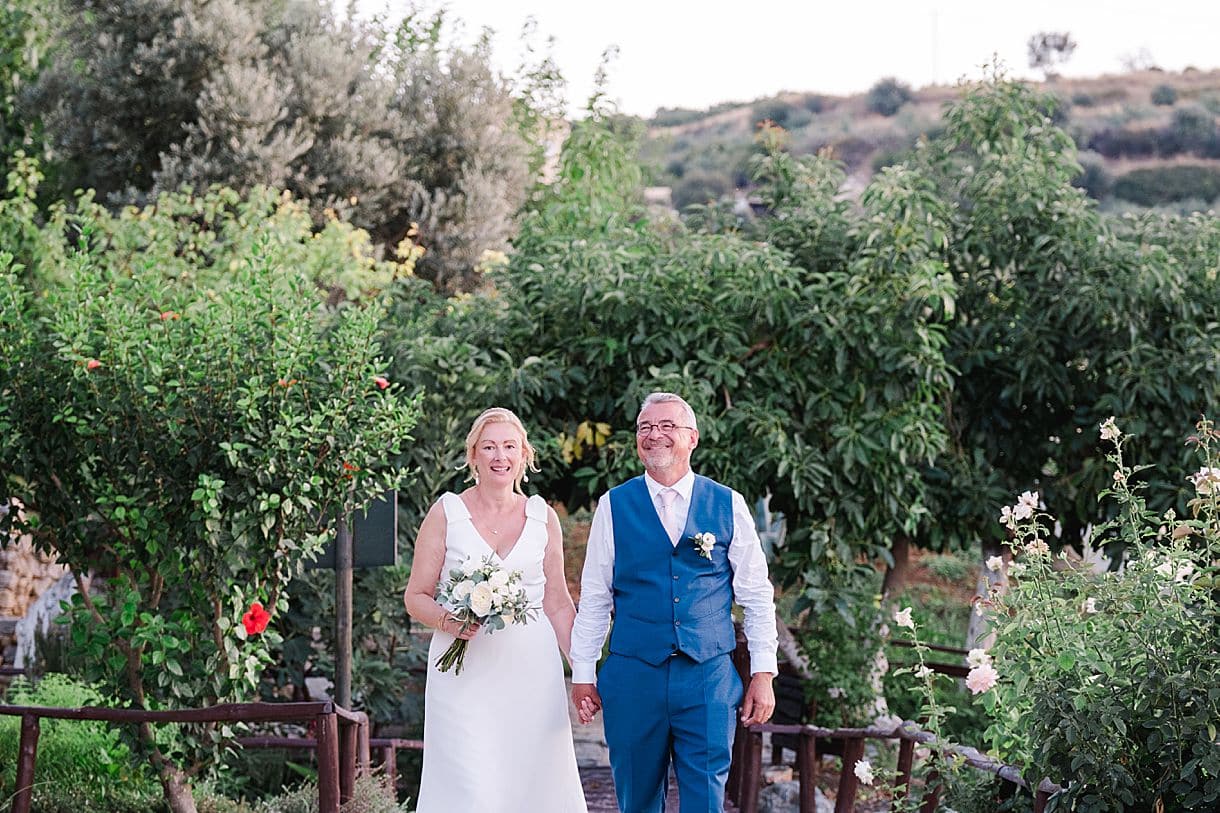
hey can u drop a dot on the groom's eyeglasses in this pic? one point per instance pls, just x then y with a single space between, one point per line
664 427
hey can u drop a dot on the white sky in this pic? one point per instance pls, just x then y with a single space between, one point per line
692 53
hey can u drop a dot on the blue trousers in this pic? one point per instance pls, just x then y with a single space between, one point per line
681 712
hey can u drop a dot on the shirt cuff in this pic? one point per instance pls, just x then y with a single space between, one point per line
584 672
759 662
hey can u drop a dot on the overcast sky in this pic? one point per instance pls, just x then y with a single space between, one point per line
696 53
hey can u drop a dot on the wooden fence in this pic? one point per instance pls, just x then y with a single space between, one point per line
342 739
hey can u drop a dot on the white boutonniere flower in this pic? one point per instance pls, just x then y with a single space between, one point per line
704 543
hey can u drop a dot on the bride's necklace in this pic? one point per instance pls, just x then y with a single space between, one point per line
492 528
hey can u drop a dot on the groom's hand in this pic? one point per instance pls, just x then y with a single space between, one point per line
759 702
587 701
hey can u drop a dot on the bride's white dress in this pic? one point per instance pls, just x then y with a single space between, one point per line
497 738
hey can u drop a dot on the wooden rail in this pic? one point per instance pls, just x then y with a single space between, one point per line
342 739
386 747
745 772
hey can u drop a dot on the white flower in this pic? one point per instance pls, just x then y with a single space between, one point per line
923 672
1007 518
1206 480
1026 505
462 589
981 678
903 618
469 567
864 772
978 657
995 563
1109 429
1089 607
1164 569
498 579
704 543
480 599
1016 569
835 692
1038 548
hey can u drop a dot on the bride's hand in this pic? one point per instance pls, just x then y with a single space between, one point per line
454 627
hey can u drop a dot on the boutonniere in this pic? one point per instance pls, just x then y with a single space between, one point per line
704 543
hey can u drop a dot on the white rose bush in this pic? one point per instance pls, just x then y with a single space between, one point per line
1107 682
481 592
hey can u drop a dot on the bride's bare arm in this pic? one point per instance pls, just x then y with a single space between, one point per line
420 595
556 600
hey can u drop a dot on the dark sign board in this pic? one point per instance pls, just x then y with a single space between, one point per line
374 536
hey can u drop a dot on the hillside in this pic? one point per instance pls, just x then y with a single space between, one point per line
1146 139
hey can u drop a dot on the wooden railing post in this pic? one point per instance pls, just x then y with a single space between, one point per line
348 746
1041 798
806 766
853 751
751 772
902 782
27 755
364 757
328 762
389 762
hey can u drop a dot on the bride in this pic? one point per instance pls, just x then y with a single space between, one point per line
497 736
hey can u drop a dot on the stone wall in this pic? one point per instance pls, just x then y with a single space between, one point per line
24 574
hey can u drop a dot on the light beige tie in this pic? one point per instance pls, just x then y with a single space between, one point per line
669 517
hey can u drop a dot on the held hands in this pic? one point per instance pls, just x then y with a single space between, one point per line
759 702
587 701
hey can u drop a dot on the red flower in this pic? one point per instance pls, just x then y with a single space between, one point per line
381 381
255 621
167 315
92 364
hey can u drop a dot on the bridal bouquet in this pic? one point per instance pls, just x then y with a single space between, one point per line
482 592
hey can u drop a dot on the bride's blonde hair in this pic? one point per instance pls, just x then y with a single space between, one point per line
500 415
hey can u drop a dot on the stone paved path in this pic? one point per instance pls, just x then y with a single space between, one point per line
599 792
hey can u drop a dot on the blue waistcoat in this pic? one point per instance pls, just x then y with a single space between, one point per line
668 598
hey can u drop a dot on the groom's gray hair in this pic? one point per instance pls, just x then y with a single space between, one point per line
671 398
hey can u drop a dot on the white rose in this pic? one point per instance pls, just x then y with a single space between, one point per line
995 563
1089 607
480 599
498 579
462 589
1109 429
864 772
903 618
978 657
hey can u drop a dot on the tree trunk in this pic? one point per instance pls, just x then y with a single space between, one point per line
978 634
177 789
896 575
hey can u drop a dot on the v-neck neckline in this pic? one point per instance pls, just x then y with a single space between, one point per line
483 539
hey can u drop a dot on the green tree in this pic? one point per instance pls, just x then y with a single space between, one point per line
186 422
398 134
1048 49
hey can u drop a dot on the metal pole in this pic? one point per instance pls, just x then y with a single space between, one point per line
343 615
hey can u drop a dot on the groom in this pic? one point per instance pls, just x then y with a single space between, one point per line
668 554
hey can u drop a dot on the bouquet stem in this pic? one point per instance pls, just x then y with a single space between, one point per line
456 653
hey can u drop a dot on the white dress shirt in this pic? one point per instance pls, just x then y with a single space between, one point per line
751 587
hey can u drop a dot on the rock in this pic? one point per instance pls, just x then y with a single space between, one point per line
773 774
785 797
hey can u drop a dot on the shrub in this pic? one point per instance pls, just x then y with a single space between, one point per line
781 113
700 186
1194 127
1094 179
674 116
1164 95
190 419
1081 99
1152 186
1126 143
887 96
82 764
1106 678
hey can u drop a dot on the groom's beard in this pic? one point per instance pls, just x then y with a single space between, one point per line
659 459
